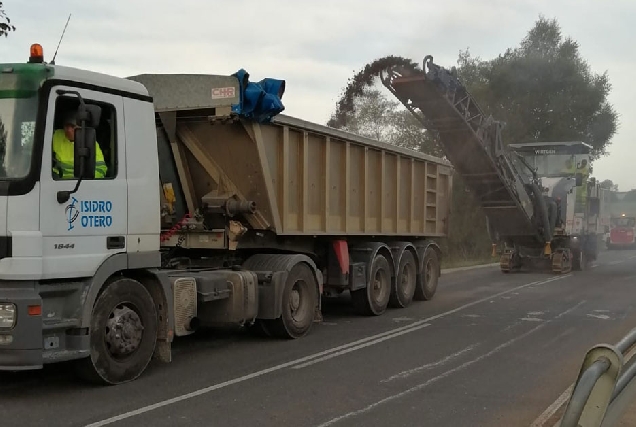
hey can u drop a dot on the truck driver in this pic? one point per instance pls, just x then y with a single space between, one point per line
63 153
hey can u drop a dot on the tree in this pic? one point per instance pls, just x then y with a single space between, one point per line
609 184
5 22
543 90
373 115
378 117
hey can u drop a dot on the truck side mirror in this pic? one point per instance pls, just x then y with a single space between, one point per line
85 136
579 179
91 113
84 153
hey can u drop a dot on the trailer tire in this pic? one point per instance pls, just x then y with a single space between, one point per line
405 282
373 299
428 277
299 298
126 305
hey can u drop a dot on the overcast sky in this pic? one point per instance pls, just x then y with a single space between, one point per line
317 45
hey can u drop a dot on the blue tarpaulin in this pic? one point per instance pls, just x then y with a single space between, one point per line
259 101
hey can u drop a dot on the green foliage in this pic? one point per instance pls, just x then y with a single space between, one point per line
468 238
543 90
378 117
5 22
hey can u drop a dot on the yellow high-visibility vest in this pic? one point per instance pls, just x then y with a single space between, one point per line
63 157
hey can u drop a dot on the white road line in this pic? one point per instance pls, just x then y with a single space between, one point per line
562 400
551 410
441 362
350 349
410 328
447 373
260 373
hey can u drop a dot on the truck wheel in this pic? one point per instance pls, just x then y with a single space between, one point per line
299 304
427 280
123 334
373 299
405 281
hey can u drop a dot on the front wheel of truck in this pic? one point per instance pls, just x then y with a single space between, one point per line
298 305
123 334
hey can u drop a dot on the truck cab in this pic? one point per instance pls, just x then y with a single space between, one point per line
70 231
622 232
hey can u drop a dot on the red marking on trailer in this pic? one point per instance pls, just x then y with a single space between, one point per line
223 92
341 248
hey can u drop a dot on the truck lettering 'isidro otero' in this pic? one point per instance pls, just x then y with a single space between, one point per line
214 210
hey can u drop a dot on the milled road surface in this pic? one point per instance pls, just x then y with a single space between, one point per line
489 350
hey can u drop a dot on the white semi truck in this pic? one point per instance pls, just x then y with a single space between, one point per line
215 210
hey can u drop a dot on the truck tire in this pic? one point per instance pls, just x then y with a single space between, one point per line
373 299
405 281
429 276
298 305
123 334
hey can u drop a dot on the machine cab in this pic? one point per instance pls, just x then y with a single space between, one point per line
563 169
557 159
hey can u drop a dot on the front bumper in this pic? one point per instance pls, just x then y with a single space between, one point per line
25 349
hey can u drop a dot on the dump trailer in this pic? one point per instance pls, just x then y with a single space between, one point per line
189 201
520 211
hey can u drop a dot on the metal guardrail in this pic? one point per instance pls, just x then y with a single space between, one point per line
605 387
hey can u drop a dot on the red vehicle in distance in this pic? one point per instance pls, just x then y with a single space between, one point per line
622 232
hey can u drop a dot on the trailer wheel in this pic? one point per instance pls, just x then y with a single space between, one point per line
299 304
406 278
427 280
123 334
373 299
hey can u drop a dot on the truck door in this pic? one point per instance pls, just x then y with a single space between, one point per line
80 234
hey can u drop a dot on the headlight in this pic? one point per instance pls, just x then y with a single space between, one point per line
7 315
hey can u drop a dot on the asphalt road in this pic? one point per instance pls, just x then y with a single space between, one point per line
489 350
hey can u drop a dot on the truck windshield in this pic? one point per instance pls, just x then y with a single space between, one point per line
19 86
624 222
17 125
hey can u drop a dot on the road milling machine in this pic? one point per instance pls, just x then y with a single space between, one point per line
539 200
